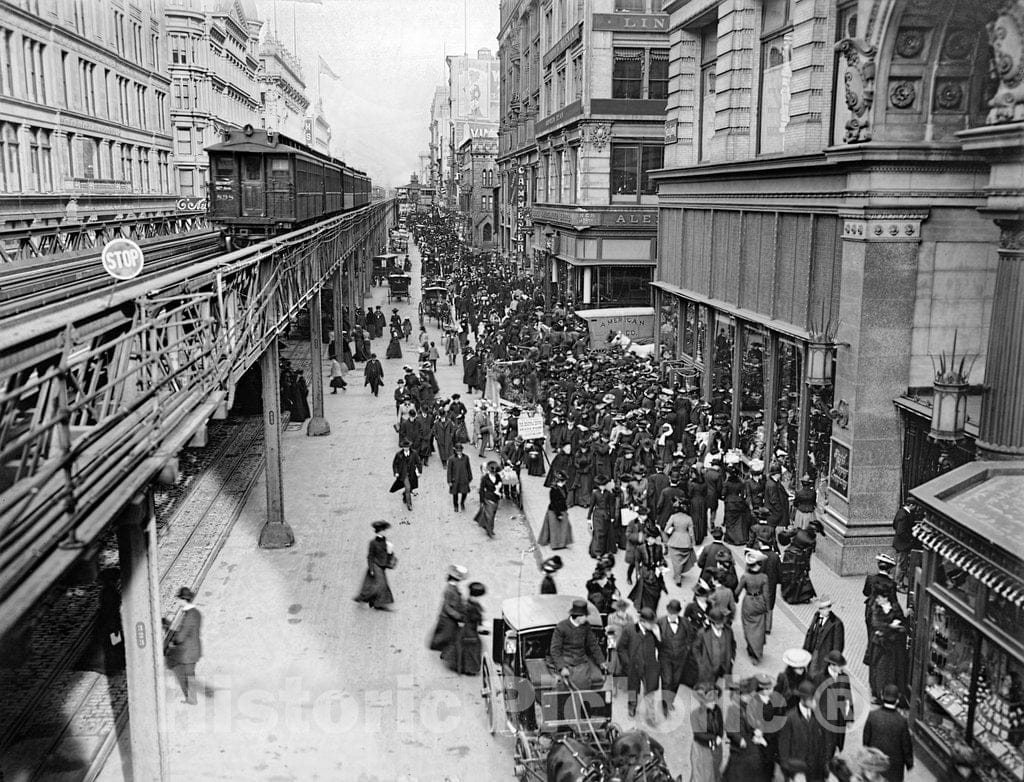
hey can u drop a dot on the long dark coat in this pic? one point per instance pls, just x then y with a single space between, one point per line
375 589
805 740
638 652
746 763
888 652
373 374
405 466
460 474
710 668
887 730
453 609
822 639
444 436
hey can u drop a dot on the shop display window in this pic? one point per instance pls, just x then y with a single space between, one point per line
999 715
689 327
1001 613
789 376
668 325
951 645
721 375
752 391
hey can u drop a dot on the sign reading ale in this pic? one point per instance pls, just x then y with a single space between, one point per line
122 258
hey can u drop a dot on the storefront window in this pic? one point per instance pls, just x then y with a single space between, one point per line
625 286
668 325
721 376
702 333
689 327
751 433
819 431
789 374
951 645
999 716
1002 613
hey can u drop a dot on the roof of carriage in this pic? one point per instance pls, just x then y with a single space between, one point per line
534 612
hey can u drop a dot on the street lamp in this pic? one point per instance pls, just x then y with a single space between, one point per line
949 403
820 357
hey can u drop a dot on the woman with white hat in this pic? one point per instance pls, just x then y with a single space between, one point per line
788 682
754 609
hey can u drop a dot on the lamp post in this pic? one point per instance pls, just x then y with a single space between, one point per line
949 403
820 358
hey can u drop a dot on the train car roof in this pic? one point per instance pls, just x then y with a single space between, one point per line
256 140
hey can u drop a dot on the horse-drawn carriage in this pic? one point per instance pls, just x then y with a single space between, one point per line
435 302
398 287
560 732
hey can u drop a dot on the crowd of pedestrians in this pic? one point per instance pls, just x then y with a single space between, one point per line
648 461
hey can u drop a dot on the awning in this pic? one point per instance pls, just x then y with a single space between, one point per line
992 577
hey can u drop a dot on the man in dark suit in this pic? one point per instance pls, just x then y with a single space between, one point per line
638 652
886 729
673 652
186 648
574 652
776 499
406 468
903 543
373 374
835 697
825 634
715 649
804 743
713 479
880 583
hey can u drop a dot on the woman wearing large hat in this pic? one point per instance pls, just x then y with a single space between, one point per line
453 609
379 559
463 655
754 609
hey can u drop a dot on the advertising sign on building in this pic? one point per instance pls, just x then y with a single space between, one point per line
839 469
637 323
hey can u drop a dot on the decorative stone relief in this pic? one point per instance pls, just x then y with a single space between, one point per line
958 45
598 134
860 87
949 94
1011 235
910 42
1006 36
884 227
902 94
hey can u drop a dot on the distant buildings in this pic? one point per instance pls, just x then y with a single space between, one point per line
473 98
213 64
282 89
84 117
478 174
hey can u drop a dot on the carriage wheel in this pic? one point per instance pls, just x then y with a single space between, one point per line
488 694
524 755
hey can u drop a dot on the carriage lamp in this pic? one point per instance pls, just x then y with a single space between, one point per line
949 400
511 642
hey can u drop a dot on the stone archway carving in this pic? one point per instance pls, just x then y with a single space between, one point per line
1006 37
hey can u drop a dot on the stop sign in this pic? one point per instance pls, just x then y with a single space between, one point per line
122 258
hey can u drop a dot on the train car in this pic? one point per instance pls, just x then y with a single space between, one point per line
264 184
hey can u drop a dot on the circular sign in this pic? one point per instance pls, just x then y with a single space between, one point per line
122 258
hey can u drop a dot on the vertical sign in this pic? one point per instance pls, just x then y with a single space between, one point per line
520 200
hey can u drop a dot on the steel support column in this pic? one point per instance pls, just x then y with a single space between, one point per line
142 636
275 533
317 426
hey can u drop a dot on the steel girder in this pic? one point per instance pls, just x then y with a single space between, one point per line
97 398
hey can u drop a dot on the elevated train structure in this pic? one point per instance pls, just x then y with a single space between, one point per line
264 183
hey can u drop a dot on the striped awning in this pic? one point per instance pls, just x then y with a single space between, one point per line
992 577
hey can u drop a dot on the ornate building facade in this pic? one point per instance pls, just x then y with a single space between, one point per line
84 132
440 114
282 88
477 177
473 92
583 110
212 60
837 175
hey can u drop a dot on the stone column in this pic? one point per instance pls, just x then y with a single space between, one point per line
1001 430
876 316
142 636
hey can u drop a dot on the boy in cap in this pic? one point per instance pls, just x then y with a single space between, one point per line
574 652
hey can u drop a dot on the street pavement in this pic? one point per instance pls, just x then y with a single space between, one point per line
301 683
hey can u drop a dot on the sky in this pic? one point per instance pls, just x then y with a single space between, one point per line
389 55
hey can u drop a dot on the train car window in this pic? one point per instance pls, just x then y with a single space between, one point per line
224 166
279 167
251 168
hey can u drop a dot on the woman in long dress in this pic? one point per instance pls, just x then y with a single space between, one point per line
650 563
888 648
556 531
708 733
796 569
465 653
748 747
737 508
453 609
754 609
394 346
601 514
380 558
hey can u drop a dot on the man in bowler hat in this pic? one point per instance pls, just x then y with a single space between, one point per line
886 729
574 652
